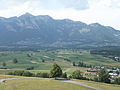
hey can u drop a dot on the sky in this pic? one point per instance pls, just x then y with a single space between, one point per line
105 12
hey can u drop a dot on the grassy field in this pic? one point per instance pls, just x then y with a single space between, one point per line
103 86
39 84
67 70
28 59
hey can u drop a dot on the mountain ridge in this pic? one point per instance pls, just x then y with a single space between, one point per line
43 30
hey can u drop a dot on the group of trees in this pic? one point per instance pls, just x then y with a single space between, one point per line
106 51
82 64
103 76
68 60
29 74
21 73
56 72
15 61
77 74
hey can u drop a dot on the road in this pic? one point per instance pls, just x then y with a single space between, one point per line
78 83
62 80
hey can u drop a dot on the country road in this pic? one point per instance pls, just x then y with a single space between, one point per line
78 83
61 80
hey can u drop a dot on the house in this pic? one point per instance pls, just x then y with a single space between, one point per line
114 72
117 59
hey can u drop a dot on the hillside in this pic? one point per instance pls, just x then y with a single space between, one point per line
43 30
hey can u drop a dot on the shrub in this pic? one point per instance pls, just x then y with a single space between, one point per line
30 68
18 73
21 73
26 73
64 75
43 75
117 81
69 77
77 74
15 60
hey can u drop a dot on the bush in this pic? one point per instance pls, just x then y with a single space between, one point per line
18 73
15 60
64 75
30 68
77 74
96 79
21 73
69 77
117 81
84 78
43 75
29 74
4 64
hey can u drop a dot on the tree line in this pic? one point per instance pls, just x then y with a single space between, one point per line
56 72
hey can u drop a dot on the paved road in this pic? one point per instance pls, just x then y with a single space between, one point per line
3 80
67 81
78 83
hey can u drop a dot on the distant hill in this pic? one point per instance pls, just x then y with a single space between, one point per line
43 30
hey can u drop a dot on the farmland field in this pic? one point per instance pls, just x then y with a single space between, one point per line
43 60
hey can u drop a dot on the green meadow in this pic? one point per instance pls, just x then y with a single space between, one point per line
43 60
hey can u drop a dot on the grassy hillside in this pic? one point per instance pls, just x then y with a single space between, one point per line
39 84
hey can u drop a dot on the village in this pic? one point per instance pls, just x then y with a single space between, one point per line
114 72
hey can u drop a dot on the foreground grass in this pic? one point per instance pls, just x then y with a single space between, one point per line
39 84
103 86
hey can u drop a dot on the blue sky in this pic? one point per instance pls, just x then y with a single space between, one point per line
106 12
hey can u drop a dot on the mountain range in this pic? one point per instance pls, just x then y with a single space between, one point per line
43 30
